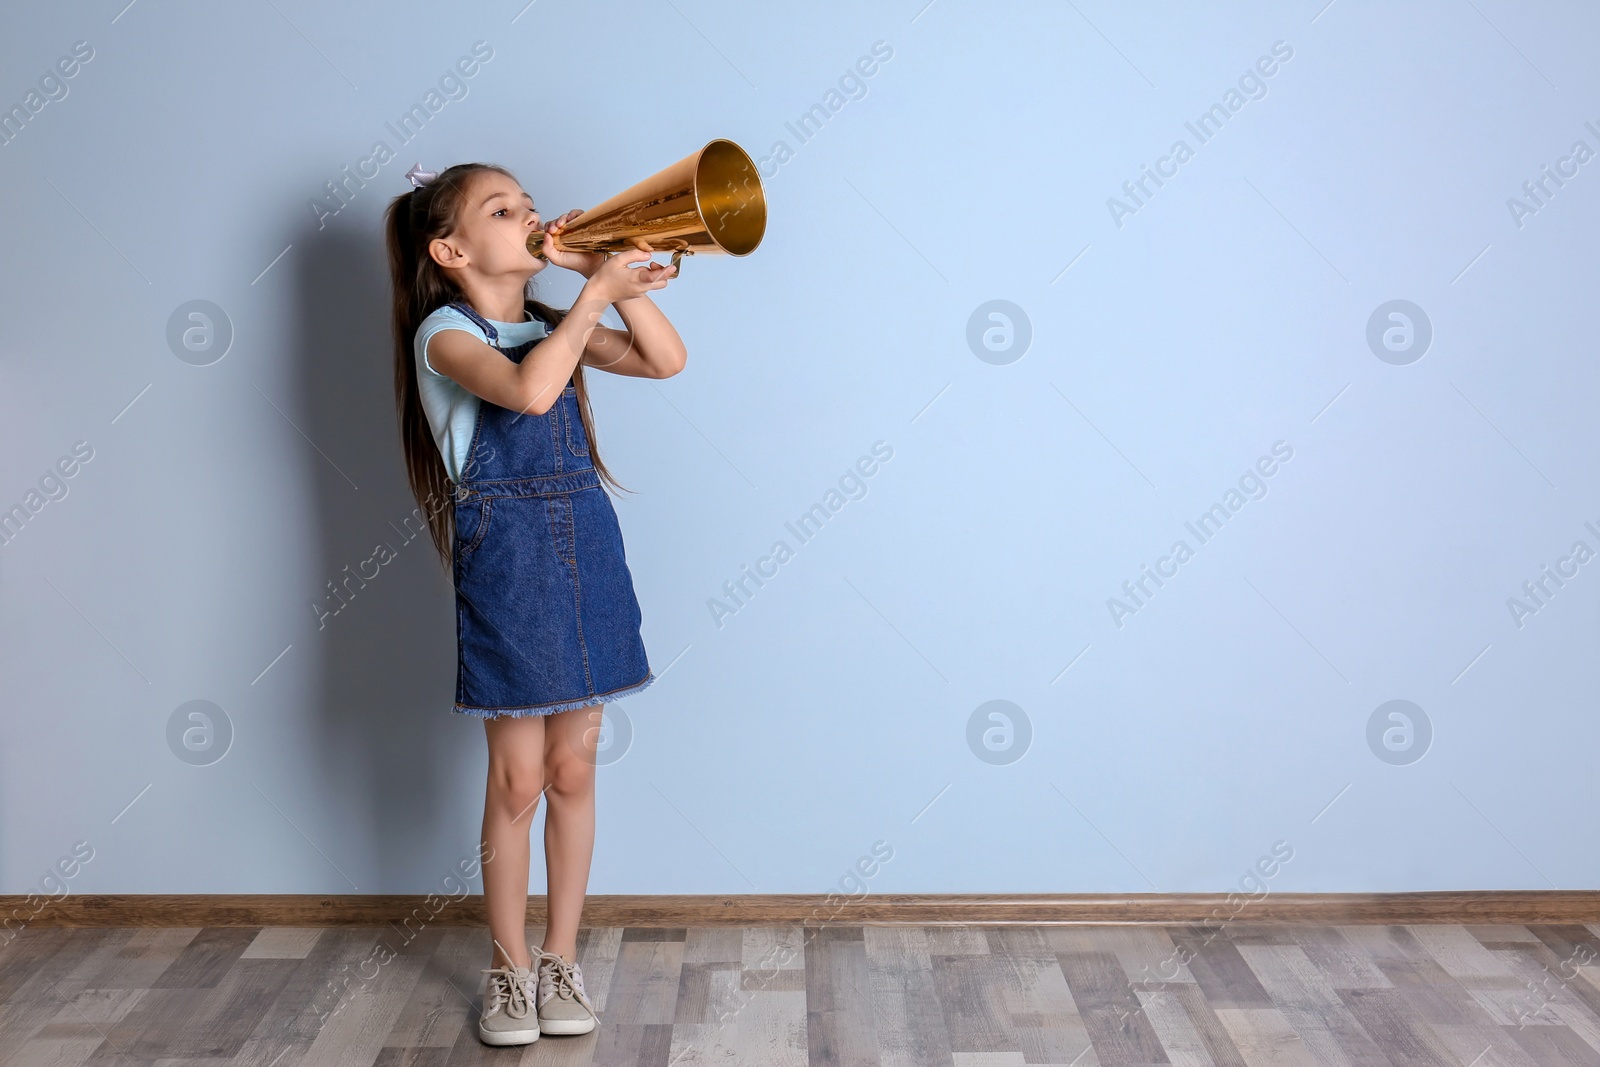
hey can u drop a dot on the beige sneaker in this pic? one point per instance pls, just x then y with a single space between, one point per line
508 1015
563 1007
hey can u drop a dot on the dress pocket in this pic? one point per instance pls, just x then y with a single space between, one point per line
577 440
472 522
563 531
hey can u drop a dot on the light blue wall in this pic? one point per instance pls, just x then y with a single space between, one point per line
1174 343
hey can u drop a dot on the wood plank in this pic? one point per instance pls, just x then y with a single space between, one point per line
1549 982
615 1045
1208 1024
698 986
1555 1045
1112 1013
1403 1036
956 941
1041 1010
773 1030
1310 1004
1432 993
1222 974
1346 966
144 957
357 1034
785 980
1020 942
282 943
1147 954
1493 933
714 944
971 1006
1174 1027
742 1025
644 984
598 959
408 1057
77 1030
910 1018
212 1020
317 990
1484 1046
1581 1021
1252 931
89 962
206 959
1572 954
21 956
708 1033
1591 975
840 1024
1460 953
32 996
1380 943
768 948
1264 1038
440 1003
1513 1005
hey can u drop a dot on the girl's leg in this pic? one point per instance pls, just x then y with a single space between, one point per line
516 762
569 765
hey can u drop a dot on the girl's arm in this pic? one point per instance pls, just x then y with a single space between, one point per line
533 385
649 348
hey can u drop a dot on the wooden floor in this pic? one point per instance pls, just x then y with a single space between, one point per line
1416 996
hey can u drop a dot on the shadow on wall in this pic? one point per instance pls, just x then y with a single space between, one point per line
381 613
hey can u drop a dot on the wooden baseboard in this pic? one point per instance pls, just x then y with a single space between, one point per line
964 909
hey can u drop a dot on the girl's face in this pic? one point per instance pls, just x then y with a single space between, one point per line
491 234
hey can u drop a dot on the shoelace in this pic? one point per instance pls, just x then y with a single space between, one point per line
558 978
507 991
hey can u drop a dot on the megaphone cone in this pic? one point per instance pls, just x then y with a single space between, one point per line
710 201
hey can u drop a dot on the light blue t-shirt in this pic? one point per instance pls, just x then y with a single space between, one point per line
451 409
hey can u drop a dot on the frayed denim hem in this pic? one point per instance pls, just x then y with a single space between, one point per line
551 709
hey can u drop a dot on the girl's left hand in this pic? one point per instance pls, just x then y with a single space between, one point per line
585 263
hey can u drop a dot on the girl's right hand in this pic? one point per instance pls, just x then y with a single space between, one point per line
617 279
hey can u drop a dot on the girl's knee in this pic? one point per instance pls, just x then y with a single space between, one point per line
569 775
515 789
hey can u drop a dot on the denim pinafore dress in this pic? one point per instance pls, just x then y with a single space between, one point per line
546 616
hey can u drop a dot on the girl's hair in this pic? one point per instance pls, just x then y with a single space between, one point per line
421 286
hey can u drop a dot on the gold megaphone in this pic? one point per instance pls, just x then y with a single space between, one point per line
708 201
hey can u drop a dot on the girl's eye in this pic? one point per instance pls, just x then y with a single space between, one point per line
502 211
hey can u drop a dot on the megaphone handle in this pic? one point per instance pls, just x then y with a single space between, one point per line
676 256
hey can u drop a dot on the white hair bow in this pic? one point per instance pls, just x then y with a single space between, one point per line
420 177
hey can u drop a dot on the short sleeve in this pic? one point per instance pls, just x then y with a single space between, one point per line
445 318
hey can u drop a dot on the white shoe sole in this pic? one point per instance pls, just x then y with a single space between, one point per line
508 1037
566 1026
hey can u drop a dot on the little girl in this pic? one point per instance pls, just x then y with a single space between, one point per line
495 422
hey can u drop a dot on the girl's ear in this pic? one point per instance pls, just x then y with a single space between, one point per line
446 253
